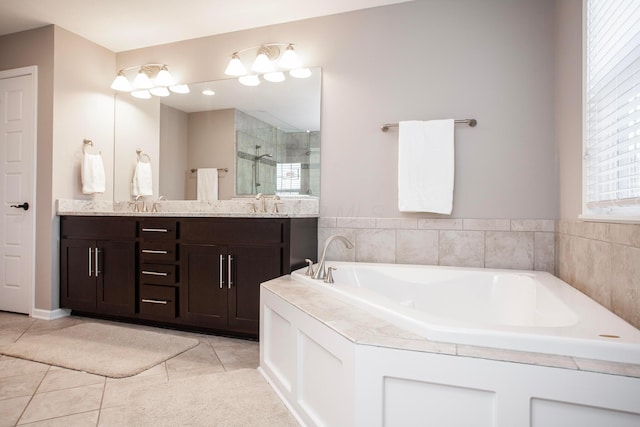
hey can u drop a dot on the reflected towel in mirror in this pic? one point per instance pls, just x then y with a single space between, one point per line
142 184
207 184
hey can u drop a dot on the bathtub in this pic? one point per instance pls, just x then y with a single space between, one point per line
506 309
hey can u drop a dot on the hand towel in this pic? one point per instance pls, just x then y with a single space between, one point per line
92 174
207 184
142 184
426 166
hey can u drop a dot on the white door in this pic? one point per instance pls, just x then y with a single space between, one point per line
17 188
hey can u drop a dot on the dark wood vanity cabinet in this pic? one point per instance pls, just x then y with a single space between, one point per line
98 265
192 272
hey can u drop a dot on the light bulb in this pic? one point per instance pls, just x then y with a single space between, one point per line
142 80
300 73
180 89
251 80
142 94
120 83
290 59
159 91
235 67
262 64
164 78
275 77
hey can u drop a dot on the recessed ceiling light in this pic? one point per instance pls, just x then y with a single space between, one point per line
208 92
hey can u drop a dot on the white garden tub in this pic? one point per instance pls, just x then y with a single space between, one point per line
507 309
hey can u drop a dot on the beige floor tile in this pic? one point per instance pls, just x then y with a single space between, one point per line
159 369
85 419
61 403
238 354
20 385
46 326
8 338
11 409
11 367
10 322
112 417
60 378
116 391
176 375
200 356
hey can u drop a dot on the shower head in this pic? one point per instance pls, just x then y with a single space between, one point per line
263 155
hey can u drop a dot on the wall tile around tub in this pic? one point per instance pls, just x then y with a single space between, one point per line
544 252
337 251
509 249
533 225
397 223
625 283
374 245
591 264
417 247
356 222
327 221
486 224
439 224
625 234
461 248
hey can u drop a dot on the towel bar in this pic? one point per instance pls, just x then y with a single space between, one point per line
471 122
219 170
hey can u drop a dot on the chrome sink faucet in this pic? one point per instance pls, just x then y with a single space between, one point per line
321 271
260 199
156 203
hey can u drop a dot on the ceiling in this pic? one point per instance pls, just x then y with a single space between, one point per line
121 25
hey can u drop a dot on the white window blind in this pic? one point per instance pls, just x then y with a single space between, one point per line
288 178
612 122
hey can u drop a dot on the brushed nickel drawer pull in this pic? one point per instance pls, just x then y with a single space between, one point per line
221 281
229 269
153 251
154 273
155 301
90 257
156 230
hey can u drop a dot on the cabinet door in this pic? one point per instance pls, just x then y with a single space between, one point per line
250 266
203 286
116 277
77 274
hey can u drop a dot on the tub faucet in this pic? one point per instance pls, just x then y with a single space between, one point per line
321 271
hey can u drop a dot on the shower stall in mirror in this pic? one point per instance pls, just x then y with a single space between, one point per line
275 160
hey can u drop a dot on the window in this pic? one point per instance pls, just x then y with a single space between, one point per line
288 178
612 109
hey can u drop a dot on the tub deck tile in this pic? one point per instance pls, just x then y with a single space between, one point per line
542 359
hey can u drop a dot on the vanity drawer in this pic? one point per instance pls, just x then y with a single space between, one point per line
158 301
158 229
158 252
158 274
232 231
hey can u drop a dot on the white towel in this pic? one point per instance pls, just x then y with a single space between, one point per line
426 166
207 184
92 174
142 184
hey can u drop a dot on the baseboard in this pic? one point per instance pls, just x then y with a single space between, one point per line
50 314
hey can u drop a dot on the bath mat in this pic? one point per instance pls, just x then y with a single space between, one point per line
107 350
239 398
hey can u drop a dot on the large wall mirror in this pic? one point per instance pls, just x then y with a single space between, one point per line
261 139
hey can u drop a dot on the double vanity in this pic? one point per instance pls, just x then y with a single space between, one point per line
197 270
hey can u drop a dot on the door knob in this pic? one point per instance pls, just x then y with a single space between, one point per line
24 206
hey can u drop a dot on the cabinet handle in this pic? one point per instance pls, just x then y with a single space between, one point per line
154 273
221 281
90 257
97 251
156 230
155 301
230 259
153 251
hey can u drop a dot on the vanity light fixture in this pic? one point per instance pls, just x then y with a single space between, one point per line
268 62
151 79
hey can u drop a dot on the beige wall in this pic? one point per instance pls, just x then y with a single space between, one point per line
174 131
211 145
492 60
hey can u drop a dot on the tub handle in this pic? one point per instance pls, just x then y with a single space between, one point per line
329 277
309 271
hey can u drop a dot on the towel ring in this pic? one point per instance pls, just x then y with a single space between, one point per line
88 147
141 156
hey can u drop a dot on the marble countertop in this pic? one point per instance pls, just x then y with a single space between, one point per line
362 327
241 208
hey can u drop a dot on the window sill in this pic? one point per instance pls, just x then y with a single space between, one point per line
610 218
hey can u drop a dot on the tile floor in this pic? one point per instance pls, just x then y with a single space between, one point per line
36 394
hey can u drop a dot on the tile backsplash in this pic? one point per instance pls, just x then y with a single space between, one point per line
527 244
